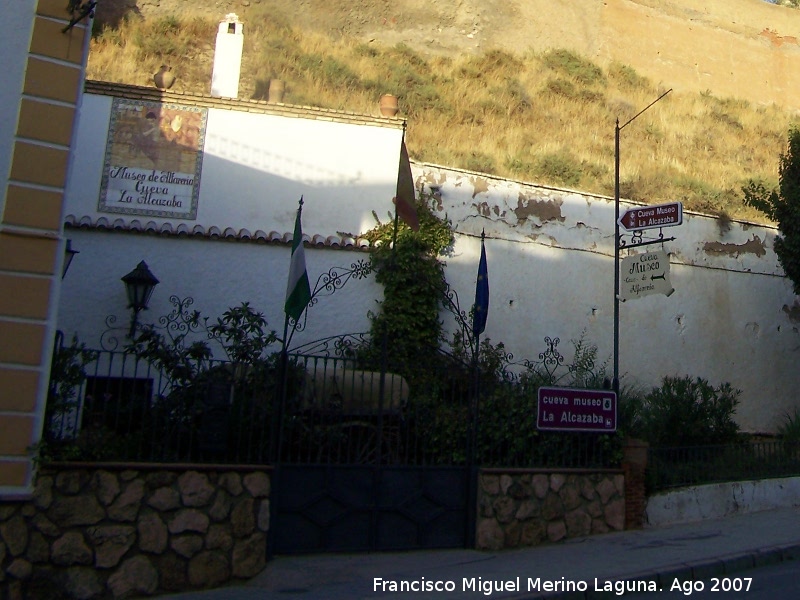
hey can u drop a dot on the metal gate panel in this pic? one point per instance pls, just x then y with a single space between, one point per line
322 509
422 507
358 508
352 472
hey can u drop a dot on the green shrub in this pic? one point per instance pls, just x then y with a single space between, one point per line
627 76
408 268
329 70
163 39
562 87
505 428
560 167
479 161
570 64
789 430
689 412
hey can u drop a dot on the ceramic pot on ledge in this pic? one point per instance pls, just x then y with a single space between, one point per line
388 105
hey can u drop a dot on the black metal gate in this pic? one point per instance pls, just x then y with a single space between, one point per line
352 474
352 508
364 460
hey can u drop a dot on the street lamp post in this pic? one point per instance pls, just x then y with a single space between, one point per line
617 129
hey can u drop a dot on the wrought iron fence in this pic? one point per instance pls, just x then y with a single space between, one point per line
326 406
679 467
127 409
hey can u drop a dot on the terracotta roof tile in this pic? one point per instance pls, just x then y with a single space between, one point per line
215 233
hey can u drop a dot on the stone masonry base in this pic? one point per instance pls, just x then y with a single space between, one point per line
104 531
519 508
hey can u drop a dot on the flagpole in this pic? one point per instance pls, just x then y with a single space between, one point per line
279 401
298 295
298 291
478 325
397 199
285 332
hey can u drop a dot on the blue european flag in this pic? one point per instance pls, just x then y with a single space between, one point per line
481 308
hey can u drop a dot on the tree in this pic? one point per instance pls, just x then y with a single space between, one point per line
782 205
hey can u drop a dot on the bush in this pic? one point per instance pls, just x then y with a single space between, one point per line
789 430
505 428
570 64
68 372
627 76
689 412
561 167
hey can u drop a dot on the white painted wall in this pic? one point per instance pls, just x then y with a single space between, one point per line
720 500
14 43
217 274
256 167
552 273
550 255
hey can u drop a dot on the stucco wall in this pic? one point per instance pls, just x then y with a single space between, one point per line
216 274
550 252
13 44
44 66
720 500
732 317
256 166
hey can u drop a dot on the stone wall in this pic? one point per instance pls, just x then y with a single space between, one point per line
519 508
112 531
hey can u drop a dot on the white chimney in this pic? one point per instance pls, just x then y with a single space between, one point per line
228 58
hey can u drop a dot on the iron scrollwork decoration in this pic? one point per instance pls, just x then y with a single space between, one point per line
327 284
340 346
453 304
179 322
637 239
79 10
551 358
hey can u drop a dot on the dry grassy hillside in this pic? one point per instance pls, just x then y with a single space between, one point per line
487 86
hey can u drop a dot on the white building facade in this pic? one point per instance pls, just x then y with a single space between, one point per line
209 192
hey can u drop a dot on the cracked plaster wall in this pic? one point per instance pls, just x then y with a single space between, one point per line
550 253
731 318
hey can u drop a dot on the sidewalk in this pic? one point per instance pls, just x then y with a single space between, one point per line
688 551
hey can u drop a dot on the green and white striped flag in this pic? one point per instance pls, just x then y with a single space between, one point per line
298 291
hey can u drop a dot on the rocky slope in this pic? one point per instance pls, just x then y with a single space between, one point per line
738 48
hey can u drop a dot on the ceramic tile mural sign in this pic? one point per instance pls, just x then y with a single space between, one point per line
154 155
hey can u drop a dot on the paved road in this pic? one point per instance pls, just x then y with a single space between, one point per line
699 551
775 582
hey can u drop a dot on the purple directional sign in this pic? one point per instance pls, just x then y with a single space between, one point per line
570 409
648 217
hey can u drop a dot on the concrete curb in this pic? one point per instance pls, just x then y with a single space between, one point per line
689 571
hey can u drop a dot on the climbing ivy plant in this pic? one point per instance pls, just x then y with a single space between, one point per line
407 326
782 205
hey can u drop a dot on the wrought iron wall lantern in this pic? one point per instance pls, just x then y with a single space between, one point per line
139 285
69 254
